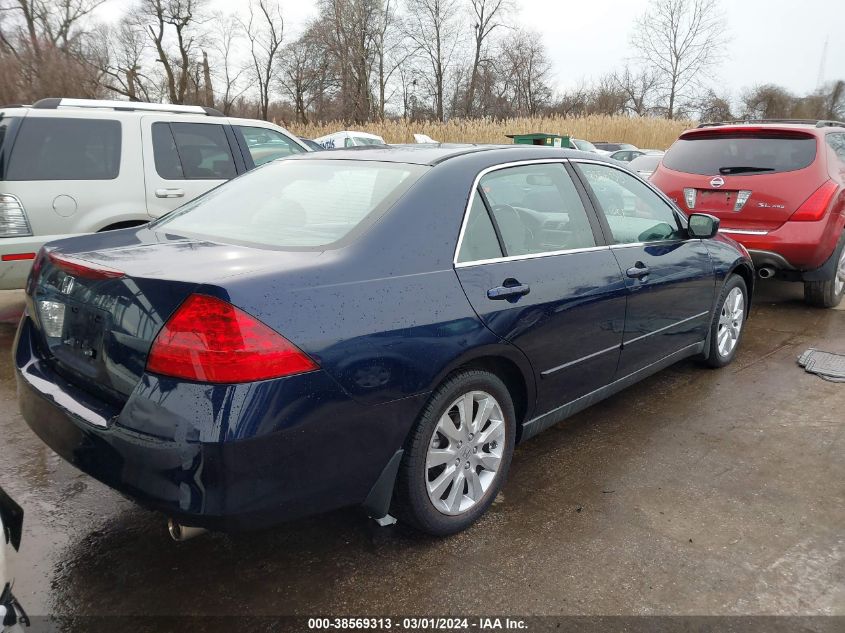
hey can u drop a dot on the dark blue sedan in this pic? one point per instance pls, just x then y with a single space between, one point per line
374 327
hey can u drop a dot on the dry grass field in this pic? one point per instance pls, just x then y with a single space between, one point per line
645 133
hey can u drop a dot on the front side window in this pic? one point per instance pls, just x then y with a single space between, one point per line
633 211
479 241
537 209
265 145
295 204
66 149
192 151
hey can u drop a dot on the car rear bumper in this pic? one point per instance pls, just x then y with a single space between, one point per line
16 257
224 457
794 247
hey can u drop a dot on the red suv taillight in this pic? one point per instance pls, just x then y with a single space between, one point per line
210 340
814 207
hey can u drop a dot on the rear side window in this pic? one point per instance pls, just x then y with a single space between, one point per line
837 143
479 241
265 145
745 154
66 149
295 204
192 151
5 126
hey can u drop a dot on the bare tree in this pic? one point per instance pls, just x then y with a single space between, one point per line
225 39
488 15
638 87
433 27
767 102
715 107
391 50
681 40
120 54
304 73
264 30
179 18
527 70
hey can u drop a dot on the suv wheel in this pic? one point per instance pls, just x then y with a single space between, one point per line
828 293
458 455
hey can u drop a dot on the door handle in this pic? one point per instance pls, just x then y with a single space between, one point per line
638 271
170 193
511 292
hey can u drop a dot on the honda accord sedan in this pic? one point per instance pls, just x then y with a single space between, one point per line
374 328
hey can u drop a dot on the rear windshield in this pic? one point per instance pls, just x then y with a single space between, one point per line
66 149
740 154
295 204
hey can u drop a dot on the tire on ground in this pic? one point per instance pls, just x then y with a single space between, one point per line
411 500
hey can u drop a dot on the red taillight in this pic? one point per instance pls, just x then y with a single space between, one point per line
210 340
816 205
83 269
17 257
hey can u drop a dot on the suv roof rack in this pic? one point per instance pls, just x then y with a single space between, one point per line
814 122
125 106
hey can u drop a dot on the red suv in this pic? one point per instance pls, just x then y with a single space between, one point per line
778 188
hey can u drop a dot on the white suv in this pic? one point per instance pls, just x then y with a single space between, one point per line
71 166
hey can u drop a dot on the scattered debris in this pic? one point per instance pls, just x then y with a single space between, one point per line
827 365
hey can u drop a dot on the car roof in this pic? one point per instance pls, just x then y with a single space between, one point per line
434 154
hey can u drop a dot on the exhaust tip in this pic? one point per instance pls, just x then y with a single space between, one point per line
179 532
766 272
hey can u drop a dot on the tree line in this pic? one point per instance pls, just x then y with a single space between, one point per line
365 60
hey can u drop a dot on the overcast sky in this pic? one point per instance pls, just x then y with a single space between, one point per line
771 41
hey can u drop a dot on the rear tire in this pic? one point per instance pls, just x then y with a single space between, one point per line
438 458
727 327
828 293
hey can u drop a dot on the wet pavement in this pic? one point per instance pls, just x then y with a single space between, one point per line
695 492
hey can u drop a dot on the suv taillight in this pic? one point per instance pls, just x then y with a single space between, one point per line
13 220
210 340
814 207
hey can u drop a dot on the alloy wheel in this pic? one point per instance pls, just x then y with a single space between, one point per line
730 322
839 285
465 452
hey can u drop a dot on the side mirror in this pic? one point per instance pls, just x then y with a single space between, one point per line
703 226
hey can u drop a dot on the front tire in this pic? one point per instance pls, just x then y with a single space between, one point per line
458 455
828 293
728 322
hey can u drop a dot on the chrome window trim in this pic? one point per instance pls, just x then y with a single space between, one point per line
516 258
537 161
743 232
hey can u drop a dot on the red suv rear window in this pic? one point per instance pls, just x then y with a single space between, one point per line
723 153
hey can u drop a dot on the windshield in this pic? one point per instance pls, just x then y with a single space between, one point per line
584 146
648 162
295 204
363 140
740 154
